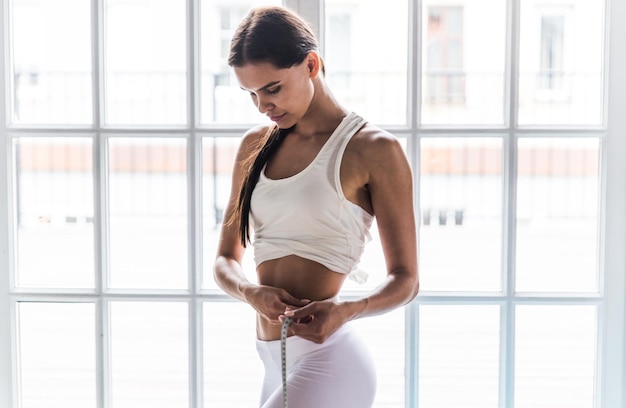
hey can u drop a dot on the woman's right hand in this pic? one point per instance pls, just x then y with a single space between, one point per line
271 302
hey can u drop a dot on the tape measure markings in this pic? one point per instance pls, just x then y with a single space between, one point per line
283 352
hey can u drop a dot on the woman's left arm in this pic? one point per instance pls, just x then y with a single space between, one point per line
390 185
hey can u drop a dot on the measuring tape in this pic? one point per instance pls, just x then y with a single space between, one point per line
283 353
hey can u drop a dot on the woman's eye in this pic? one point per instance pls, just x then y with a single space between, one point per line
273 91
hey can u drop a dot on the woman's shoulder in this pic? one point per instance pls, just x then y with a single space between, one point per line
257 132
253 137
373 142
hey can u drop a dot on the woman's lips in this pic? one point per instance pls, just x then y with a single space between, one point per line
277 117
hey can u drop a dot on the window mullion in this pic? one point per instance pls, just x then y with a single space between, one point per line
101 243
507 319
7 318
195 366
102 401
100 206
411 327
509 202
194 205
194 153
413 145
511 77
414 104
97 61
193 62
104 353
195 247
99 153
196 354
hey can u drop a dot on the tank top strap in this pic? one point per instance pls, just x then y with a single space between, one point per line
352 124
346 129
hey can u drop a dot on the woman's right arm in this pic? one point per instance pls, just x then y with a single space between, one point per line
228 271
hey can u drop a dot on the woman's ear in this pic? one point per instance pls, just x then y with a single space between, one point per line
313 64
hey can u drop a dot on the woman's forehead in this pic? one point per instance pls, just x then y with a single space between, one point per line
254 77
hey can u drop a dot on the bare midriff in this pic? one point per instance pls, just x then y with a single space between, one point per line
302 278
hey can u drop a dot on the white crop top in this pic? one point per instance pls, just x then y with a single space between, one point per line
308 215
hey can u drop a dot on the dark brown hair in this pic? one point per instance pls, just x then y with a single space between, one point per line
280 37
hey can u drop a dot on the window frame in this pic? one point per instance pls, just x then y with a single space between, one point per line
611 302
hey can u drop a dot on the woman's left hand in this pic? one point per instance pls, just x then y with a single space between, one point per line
315 321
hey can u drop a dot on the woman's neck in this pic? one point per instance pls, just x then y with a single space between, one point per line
324 113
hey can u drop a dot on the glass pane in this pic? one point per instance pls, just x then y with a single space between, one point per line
218 159
149 354
557 216
459 352
222 99
374 87
233 372
54 197
52 76
561 59
385 337
148 213
145 62
461 220
555 356
57 355
463 62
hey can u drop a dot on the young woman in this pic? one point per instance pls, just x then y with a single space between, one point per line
308 187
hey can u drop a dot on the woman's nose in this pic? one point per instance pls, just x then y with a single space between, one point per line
263 104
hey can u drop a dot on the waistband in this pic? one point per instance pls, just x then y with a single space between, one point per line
270 351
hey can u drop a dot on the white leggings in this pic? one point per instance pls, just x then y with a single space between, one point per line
338 373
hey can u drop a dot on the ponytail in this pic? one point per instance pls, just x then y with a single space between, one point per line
241 215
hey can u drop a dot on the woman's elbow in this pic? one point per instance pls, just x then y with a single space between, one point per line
409 285
414 287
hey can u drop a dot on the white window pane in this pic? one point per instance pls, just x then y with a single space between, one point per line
222 100
148 213
365 50
145 62
461 205
149 354
463 61
57 358
54 214
459 351
233 372
218 160
385 336
555 356
561 56
557 215
52 76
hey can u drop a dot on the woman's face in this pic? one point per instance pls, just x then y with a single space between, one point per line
283 94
